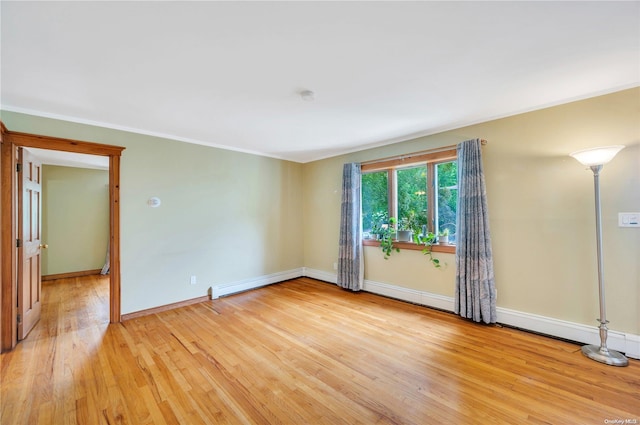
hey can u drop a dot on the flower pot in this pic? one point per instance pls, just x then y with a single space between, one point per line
443 240
405 235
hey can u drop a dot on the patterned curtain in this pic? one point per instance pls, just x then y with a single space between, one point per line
350 258
475 284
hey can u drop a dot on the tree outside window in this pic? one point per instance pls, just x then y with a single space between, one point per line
447 202
402 191
375 200
412 199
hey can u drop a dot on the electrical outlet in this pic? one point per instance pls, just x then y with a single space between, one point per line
193 280
335 266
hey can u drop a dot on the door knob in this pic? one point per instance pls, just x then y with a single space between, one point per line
44 246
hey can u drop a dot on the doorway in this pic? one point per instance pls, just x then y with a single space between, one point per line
75 213
75 233
11 142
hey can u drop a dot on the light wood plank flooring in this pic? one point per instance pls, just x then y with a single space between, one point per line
299 352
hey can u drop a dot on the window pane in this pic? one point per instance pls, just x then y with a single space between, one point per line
375 200
412 198
447 178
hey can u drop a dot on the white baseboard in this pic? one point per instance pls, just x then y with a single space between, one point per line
633 346
253 283
320 275
620 341
411 295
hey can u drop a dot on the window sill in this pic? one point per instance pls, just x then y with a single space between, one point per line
413 246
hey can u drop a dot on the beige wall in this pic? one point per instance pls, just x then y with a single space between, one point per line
225 216
541 212
75 219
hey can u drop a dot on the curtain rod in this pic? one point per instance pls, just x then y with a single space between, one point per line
409 155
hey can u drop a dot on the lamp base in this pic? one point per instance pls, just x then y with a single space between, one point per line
610 357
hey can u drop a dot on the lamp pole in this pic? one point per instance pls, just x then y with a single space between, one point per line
595 159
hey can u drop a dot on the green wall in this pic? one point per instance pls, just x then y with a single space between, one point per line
541 212
75 219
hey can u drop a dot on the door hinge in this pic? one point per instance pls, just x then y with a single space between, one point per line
18 167
19 318
18 243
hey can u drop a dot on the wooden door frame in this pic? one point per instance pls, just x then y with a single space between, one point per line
8 222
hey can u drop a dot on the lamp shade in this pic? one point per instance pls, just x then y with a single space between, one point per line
596 156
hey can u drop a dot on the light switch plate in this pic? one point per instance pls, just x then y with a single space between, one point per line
629 219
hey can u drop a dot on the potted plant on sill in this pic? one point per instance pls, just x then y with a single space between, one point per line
405 231
410 226
379 219
443 236
386 236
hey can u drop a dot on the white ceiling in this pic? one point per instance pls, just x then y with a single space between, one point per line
229 74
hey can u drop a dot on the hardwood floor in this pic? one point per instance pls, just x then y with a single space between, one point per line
299 352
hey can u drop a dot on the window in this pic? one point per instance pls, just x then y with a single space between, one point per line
447 199
375 199
419 190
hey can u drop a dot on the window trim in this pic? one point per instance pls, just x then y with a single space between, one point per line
409 160
430 159
448 248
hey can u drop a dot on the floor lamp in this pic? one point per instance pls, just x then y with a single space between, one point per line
595 158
